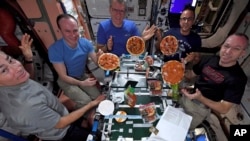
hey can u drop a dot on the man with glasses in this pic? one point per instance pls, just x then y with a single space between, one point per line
113 33
189 41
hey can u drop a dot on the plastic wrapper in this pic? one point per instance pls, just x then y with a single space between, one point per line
148 112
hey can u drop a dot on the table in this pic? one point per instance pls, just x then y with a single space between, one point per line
133 127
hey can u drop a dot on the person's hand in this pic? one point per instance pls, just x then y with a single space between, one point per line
98 99
110 43
148 32
197 95
88 82
25 47
99 53
158 35
189 57
192 57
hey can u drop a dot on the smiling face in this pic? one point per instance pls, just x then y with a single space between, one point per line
232 49
117 12
69 30
12 71
186 21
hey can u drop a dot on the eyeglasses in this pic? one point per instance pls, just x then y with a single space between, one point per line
187 19
118 11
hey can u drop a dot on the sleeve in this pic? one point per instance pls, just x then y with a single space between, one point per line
87 44
101 35
46 110
235 90
42 116
47 117
55 54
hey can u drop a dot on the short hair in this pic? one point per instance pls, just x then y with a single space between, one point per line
64 16
190 8
242 35
119 1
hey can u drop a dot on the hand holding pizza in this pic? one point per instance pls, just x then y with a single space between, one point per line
99 53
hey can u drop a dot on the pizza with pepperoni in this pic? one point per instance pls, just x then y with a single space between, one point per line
169 45
135 45
172 72
108 61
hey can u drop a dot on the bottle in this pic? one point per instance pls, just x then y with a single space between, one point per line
130 96
175 92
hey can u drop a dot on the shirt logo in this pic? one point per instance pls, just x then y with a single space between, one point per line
211 74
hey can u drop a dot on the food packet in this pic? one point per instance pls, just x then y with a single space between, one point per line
148 112
130 96
155 87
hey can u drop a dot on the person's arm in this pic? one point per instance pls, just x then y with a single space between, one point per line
94 56
102 47
25 47
221 107
107 47
158 36
73 116
61 71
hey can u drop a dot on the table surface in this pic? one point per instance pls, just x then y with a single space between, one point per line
134 126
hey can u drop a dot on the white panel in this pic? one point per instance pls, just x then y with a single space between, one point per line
246 100
137 9
245 28
98 8
95 23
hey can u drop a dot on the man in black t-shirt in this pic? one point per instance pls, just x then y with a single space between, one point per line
220 83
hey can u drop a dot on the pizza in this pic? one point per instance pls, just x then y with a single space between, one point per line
169 45
108 61
135 45
172 72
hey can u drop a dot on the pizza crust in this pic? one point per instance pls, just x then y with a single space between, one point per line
108 61
169 45
172 72
135 45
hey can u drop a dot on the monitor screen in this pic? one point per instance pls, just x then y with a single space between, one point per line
176 6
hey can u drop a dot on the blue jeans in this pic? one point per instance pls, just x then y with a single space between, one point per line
76 132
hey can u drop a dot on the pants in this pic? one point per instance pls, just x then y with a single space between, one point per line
80 95
197 110
75 132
